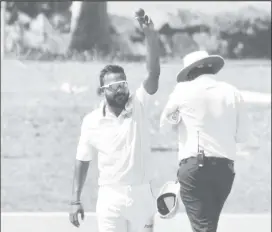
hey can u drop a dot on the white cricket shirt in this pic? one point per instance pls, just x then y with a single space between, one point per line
122 142
214 109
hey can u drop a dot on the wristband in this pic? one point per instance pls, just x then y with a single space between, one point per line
75 203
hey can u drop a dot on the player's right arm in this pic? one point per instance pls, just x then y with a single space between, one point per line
84 155
80 174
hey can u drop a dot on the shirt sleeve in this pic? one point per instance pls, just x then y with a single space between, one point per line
242 121
85 151
142 96
171 112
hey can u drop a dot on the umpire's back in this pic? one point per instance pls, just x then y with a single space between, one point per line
215 110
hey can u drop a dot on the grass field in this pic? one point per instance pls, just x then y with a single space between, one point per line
40 125
58 221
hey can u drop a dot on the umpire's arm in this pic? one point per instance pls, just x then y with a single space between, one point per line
242 122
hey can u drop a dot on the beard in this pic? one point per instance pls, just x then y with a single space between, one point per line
119 100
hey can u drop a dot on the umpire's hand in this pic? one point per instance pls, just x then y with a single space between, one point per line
75 210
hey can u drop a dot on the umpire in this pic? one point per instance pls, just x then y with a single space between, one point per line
211 119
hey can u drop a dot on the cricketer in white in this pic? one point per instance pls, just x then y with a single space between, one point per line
118 131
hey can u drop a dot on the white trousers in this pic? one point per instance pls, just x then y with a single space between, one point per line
125 208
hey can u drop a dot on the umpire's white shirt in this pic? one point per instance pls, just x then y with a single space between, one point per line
122 142
214 109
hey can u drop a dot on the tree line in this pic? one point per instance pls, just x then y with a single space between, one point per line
243 34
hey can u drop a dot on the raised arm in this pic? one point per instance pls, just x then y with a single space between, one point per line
151 83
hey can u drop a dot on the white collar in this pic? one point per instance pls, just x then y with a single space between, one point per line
206 78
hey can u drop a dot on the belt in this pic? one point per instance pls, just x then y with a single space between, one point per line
210 160
218 160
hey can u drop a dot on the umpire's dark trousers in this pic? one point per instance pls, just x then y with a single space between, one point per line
205 189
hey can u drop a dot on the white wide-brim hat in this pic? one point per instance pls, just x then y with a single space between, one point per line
168 200
199 58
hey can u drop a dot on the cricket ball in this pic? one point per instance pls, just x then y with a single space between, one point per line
140 13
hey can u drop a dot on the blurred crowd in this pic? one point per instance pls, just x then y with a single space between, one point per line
48 27
36 25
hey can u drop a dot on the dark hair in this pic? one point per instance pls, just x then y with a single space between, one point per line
108 69
196 72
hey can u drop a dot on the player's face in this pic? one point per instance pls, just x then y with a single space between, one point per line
116 89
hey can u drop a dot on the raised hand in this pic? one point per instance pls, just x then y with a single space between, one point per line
145 21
